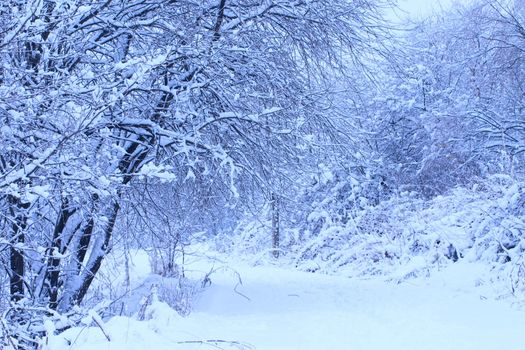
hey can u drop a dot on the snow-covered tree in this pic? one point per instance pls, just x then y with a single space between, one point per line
95 94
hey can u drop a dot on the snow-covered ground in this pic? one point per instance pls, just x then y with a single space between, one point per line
278 308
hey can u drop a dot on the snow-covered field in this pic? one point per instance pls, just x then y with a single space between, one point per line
280 308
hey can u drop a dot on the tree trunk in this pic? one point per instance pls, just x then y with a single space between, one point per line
16 280
275 224
17 261
55 252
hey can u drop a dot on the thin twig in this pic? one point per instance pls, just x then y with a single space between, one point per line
216 342
101 328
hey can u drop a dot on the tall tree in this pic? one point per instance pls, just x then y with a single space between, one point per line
95 94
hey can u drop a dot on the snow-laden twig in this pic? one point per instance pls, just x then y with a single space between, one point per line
217 343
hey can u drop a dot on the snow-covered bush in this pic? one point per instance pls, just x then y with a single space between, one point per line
485 222
343 231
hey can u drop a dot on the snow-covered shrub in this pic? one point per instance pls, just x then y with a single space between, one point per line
163 261
338 229
482 223
28 327
127 277
177 292
498 234
252 237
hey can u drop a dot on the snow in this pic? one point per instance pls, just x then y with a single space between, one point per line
161 172
275 307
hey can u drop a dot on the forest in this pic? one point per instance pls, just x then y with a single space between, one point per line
317 136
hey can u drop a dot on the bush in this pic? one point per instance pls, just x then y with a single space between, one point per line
406 235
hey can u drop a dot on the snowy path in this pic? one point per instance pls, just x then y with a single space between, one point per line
282 309
295 310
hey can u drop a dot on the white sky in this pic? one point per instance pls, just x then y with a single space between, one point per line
419 8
